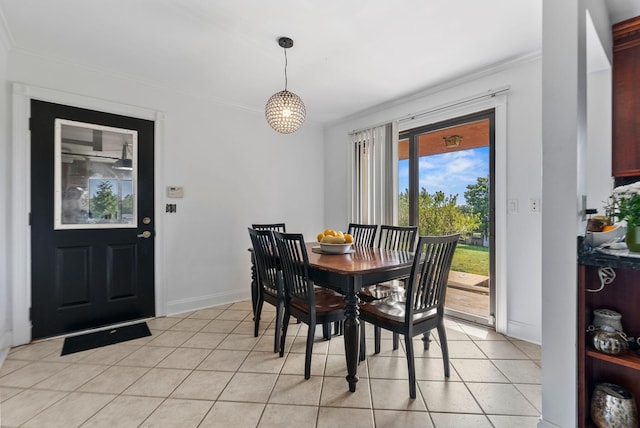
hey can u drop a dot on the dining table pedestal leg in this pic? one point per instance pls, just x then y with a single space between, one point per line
351 338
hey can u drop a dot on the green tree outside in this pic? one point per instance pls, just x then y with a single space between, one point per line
105 203
127 204
438 214
477 197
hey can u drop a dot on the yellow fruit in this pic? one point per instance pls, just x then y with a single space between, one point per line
329 232
329 239
339 233
320 236
348 238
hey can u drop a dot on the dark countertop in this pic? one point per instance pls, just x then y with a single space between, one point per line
590 256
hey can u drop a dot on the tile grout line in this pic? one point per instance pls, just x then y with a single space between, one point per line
257 346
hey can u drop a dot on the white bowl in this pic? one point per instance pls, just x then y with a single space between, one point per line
335 248
598 238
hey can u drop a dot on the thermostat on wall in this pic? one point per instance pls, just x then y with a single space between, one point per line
175 192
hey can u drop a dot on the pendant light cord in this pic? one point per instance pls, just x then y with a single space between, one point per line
285 68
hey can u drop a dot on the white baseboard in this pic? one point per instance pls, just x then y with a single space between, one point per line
546 424
5 345
202 302
523 331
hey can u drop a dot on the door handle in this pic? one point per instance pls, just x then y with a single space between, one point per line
146 234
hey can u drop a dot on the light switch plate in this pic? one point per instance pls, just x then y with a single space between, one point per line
175 192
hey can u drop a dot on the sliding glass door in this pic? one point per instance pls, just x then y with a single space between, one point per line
445 177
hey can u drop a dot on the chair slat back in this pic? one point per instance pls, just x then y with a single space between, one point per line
278 227
398 237
364 235
295 268
265 254
427 285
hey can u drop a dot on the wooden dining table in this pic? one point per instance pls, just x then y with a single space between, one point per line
347 274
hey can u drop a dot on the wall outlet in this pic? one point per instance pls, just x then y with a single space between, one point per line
534 205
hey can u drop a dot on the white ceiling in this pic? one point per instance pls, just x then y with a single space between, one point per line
348 55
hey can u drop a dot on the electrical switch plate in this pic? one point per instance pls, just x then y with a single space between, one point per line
513 205
175 192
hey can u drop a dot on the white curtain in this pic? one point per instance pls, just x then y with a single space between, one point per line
374 175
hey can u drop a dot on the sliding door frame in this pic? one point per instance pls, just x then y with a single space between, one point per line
497 101
413 135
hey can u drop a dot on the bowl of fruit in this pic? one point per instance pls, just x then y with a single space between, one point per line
335 242
607 234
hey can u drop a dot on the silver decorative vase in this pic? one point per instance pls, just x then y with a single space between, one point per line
612 406
610 342
607 317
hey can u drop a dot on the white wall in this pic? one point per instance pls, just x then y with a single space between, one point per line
523 175
598 172
5 309
234 168
565 133
599 58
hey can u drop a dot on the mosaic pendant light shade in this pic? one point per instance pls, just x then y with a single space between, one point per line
285 111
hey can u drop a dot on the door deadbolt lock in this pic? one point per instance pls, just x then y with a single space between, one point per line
146 234
146 220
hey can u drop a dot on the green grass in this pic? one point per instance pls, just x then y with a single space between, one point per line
471 259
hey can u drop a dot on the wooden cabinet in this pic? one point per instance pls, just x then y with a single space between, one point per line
626 99
623 296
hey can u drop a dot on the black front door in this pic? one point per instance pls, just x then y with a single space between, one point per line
92 219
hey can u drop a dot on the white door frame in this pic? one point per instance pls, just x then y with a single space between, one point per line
20 232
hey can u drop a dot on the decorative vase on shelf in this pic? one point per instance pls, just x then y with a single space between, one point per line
607 319
632 238
612 406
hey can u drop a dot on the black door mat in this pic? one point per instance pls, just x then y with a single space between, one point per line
98 339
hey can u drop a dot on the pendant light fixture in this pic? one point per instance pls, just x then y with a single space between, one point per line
123 164
285 110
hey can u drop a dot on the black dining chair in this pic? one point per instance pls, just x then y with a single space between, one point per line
269 279
278 227
364 235
310 304
421 308
399 238
391 238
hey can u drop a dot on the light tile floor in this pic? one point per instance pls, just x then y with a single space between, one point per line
206 369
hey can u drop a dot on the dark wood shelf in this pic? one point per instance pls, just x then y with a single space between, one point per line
629 359
623 294
594 366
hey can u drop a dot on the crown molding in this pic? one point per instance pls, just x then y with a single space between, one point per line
441 86
148 83
6 39
107 72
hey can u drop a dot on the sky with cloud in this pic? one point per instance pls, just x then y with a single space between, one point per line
448 172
